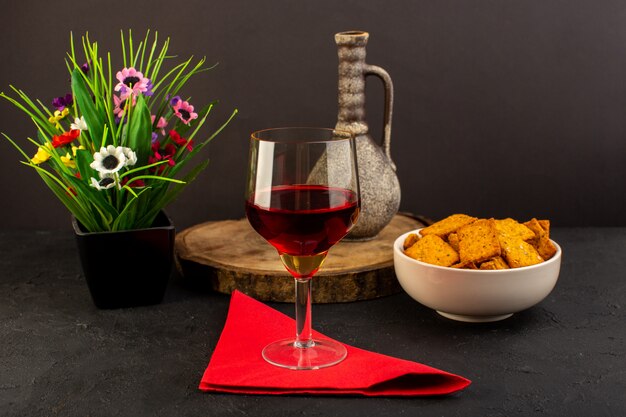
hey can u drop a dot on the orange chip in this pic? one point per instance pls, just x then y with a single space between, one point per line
478 241
542 242
433 250
410 240
488 265
519 253
453 240
545 224
494 264
513 229
448 225
465 265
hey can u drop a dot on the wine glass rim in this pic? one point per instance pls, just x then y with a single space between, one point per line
345 134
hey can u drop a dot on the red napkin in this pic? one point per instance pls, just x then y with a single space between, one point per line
238 367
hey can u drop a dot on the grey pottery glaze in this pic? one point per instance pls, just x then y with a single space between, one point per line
380 189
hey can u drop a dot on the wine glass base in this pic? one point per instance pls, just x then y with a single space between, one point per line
322 354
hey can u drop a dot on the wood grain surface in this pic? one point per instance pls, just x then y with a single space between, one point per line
230 255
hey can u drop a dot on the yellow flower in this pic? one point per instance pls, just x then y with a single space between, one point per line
68 161
58 115
42 155
77 148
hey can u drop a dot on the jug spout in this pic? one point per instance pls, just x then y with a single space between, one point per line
351 86
352 37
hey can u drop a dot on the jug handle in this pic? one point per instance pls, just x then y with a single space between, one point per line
388 85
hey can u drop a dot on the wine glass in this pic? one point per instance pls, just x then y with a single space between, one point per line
302 197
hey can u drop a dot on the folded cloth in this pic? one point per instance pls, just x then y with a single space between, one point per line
237 366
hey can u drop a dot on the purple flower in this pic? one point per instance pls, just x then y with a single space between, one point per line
85 67
62 102
155 137
148 91
174 100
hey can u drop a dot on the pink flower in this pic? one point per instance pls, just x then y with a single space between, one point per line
132 81
161 124
120 105
184 111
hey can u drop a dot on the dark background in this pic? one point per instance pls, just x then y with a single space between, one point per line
503 108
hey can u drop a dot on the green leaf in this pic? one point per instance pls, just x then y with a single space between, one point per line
126 220
139 136
94 197
165 198
93 118
83 160
63 193
154 45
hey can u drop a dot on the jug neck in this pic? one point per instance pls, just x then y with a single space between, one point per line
351 86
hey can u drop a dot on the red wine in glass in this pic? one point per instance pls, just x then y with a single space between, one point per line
303 220
302 197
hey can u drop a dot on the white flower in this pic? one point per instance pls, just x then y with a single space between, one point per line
108 160
79 124
106 181
131 156
104 184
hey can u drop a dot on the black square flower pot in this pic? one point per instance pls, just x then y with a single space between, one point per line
127 268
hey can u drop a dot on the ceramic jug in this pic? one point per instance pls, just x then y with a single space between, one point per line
380 188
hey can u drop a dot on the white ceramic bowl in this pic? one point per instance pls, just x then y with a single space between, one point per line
475 295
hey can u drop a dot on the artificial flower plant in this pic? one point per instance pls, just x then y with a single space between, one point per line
112 149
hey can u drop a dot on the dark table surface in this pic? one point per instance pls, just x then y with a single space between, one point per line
59 355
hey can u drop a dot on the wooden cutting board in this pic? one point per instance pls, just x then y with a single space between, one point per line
229 255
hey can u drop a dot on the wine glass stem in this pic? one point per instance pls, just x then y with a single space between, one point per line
304 338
